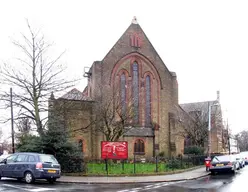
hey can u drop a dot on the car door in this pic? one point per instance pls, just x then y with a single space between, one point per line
20 165
7 167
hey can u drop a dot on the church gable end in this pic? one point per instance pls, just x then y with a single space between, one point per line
134 83
134 41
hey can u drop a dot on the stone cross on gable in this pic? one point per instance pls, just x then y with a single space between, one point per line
134 21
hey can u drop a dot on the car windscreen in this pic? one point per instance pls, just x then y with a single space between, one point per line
2 157
221 158
47 159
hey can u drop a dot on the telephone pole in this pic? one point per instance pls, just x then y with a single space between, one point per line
12 121
228 137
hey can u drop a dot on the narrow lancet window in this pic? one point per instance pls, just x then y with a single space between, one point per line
136 92
148 101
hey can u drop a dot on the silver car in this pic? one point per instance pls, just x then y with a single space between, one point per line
244 154
241 161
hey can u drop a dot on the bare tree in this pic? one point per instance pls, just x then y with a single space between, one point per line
24 127
33 78
242 138
1 133
112 114
194 122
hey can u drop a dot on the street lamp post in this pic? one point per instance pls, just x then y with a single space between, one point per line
209 127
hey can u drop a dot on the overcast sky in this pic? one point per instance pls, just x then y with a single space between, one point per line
204 42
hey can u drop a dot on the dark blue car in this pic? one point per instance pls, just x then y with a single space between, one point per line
30 166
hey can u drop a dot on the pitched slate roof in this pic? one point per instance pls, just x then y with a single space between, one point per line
139 131
75 94
203 107
188 107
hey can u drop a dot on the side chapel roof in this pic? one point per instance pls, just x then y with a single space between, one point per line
75 94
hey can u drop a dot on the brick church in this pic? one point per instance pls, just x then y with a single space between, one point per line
133 73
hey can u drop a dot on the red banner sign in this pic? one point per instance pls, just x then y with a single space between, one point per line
114 150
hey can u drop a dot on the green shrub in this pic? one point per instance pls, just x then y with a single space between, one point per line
194 150
161 154
174 164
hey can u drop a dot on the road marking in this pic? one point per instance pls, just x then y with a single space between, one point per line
13 186
31 190
41 189
150 187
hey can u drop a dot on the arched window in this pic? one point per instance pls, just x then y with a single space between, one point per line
123 93
139 146
148 101
136 92
80 145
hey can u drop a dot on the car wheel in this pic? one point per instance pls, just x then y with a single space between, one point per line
28 177
51 180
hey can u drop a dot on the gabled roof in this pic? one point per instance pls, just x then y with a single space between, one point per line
135 27
197 106
75 94
203 107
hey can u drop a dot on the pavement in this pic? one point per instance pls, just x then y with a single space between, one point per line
187 175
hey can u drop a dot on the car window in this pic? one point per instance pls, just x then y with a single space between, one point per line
11 158
215 160
31 158
21 158
47 159
221 158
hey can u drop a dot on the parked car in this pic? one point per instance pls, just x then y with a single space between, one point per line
244 154
224 163
30 166
241 161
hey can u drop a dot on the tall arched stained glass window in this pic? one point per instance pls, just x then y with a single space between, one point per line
123 93
148 101
136 92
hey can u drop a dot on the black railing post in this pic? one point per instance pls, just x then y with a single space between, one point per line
123 161
188 161
181 161
156 158
134 164
106 163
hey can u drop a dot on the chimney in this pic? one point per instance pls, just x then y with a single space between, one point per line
218 96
